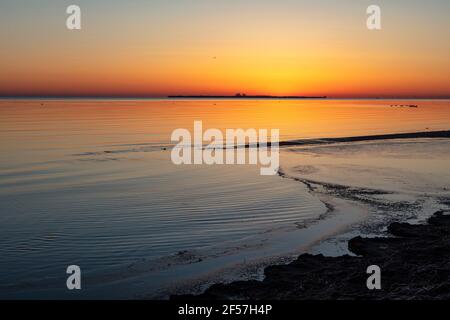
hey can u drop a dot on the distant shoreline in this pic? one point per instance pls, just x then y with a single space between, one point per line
127 98
245 97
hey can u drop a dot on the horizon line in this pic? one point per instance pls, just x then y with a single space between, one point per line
205 97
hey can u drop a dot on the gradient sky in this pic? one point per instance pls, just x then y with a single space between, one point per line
278 47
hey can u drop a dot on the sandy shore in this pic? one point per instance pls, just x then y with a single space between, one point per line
414 264
372 172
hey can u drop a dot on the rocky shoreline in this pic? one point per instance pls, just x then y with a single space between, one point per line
414 262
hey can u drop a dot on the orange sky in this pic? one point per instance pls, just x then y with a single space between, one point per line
203 47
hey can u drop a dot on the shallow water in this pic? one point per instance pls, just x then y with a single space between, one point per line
87 182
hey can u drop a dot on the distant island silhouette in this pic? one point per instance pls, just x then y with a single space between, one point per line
244 96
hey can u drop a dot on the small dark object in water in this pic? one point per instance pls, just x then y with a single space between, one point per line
405 105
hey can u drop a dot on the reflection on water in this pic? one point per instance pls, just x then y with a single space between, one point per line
87 182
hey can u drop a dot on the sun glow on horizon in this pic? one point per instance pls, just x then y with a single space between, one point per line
273 48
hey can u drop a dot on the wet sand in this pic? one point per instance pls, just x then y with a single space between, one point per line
411 135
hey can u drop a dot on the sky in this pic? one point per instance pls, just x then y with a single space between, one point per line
277 47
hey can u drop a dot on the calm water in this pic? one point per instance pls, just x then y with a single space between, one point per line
88 183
